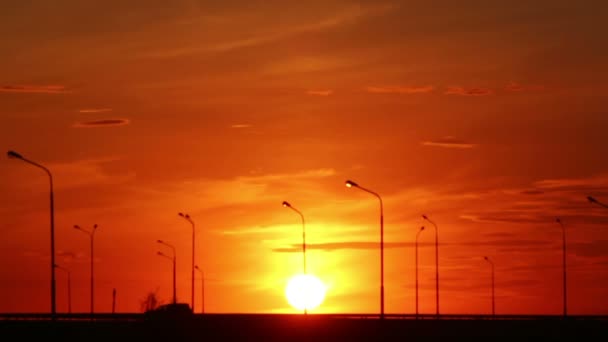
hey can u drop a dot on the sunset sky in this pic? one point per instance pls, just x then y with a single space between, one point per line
490 117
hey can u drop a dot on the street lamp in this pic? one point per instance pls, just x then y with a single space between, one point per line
202 288
15 155
187 217
91 234
436 263
351 184
417 235
287 205
69 287
493 297
595 201
564 264
174 265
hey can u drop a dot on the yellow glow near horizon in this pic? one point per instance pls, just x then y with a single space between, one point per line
305 291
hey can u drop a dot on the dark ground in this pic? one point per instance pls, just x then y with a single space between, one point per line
301 328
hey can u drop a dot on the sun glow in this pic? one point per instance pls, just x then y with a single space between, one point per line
305 291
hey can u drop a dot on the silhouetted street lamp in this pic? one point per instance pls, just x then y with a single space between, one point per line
493 297
595 201
287 205
436 263
174 266
351 184
69 287
202 287
187 217
91 234
564 264
15 155
417 235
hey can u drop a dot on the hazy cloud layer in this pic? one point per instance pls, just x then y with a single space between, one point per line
468 91
400 89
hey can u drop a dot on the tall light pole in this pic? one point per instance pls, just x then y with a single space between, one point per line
595 201
91 234
287 205
436 263
351 184
187 217
15 155
564 265
493 297
174 266
69 287
417 235
202 288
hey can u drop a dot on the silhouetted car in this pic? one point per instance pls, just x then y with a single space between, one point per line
173 311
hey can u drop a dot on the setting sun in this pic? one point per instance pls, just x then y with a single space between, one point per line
305 291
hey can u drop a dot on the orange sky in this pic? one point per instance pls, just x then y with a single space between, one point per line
490 117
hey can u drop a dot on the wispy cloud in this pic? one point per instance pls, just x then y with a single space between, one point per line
241 126
516 87
34 89
94 110
343 17
101 123
449 142
320 92
468 91
400 89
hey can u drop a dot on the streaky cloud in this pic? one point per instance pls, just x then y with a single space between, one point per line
101 123
468 91
400 90
448 142
34 89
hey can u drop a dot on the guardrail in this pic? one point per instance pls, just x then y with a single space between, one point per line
140 316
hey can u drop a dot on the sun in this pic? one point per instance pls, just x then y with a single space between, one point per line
305 291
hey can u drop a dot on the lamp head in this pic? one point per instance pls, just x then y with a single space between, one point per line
160 253
159 241
196 267
591 199
95 226
350 184
13 154
422 228
181 214
424 217
558 220
486 258
286 204
77 226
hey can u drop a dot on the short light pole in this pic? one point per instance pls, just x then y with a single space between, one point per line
91 234
436 263
416 248
565 298
202 288
595 201
174 266
351 184
189 219
493 297
15 155
69 287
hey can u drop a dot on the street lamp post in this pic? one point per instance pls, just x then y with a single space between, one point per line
595 201
91 234
416 248
436 263
351 184
565 298
69 287
187 217
287 205
493 297
15 155
174 266
202 288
